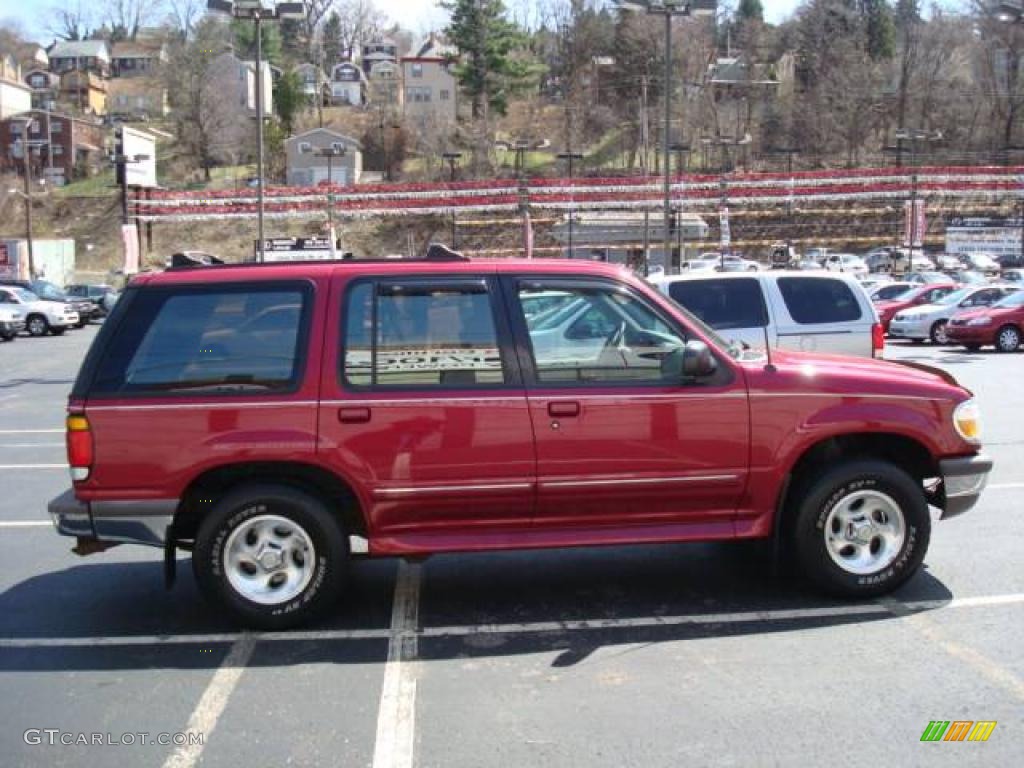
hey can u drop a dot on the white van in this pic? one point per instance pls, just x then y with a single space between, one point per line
810 312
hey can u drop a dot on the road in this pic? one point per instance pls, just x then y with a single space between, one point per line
656 656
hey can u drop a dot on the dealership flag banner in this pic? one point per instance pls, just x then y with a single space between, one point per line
914 223
130 241
723 220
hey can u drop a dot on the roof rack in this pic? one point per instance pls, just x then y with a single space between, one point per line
435 252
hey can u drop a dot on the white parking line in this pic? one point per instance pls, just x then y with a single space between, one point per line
214 699
24 523
396 717
31 431
32 445
33 466
409 608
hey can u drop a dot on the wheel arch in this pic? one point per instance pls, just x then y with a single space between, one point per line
203 491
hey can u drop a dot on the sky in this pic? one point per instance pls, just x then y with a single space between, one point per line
420 16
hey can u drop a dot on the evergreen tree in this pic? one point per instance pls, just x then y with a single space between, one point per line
879 30
332 40
244 33
750 10
288 100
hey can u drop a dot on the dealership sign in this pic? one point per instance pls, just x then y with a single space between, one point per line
998 237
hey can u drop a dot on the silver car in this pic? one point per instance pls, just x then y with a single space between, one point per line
928 321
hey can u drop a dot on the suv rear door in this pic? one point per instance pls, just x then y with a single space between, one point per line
619 441
821 314
423 407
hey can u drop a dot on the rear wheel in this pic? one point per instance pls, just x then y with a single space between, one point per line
272 556
862 529
37 325
1008 338
938 333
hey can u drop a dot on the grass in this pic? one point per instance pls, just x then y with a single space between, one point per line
100 185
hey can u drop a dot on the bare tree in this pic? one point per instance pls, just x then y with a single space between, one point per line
125 17
361 21
183 16
71 20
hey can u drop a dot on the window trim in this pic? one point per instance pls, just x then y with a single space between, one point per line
503 334
724 375
91 367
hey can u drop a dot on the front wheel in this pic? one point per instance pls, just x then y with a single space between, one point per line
273 557
938 333
1008 339
862 529
37 325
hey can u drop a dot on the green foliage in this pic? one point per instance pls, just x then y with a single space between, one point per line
244 33
750 10
494 61
288 99
332 40
879 29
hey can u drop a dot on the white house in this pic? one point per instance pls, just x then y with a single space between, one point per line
348 84
308 168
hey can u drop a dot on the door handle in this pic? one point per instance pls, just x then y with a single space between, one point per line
564 409
353 415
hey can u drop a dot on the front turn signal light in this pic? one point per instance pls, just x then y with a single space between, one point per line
967 420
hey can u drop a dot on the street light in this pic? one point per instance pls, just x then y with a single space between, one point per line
258 12
452 158
330 153
569 157
913 135
26 149
668 9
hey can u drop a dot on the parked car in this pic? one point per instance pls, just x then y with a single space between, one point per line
999 325
12 319
706 262
92 293
888 291
875 280
808 265
1011 260
929 321
926 278
47 291
733 263
407 403
41 317
846 262
914 296
879 259
1013 276
968 277
821 313
947 262
981 262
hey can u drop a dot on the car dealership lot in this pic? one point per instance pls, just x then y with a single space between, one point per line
677 654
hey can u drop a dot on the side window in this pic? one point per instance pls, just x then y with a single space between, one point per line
815 301
421 334
598 334
723 304
226 340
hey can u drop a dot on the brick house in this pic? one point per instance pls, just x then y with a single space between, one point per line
76 144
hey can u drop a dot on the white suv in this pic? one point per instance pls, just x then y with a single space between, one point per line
40 316
823 312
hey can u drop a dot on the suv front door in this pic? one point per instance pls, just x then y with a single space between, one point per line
620 440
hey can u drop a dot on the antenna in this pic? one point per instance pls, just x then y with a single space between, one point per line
769 366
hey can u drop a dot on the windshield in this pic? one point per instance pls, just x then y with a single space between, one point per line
25 295
48 291
955 297
1011 301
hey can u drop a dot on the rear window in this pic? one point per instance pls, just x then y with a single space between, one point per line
723 304
813 301
211 339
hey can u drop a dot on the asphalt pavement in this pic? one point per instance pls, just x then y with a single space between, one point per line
672 655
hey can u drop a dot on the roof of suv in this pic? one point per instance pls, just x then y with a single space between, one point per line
291 270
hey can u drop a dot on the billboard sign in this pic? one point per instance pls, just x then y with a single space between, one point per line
131 142
995 236
297 248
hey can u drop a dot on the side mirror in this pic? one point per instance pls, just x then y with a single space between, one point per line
698 361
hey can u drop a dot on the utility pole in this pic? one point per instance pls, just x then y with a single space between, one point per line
643 169
27 151
330 153
569 156
520 147
452 158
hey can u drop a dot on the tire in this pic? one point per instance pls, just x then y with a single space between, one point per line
58 331
37 325
938 333
9 336
290 522
842 516
1008 338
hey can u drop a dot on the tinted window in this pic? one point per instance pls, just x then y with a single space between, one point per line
602 335
887 292
815 301
421 334
225 340
723 304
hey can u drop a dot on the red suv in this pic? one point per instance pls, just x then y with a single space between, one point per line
264 416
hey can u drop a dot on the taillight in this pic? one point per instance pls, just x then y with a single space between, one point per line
877 340
80 447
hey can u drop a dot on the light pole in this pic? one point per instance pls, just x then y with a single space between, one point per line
26 151
330 153
913 135
452 158
668 9
258 12
681 151
569 157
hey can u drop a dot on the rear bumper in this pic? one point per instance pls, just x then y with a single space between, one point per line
963 479
134 522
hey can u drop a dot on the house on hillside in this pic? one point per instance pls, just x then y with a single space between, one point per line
83 91
305 167
348 84
377 51
63 147
137 97
45 87
384 85
230 92
86 55
136 58
15 95
315 85
429 84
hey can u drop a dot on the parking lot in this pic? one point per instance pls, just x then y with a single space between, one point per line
656 656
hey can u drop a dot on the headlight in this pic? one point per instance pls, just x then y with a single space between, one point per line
967 420
980 321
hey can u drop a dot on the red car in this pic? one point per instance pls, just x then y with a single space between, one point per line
1000 325
266 416
922 294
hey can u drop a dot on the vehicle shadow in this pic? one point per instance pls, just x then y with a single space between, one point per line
569 601
12 383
